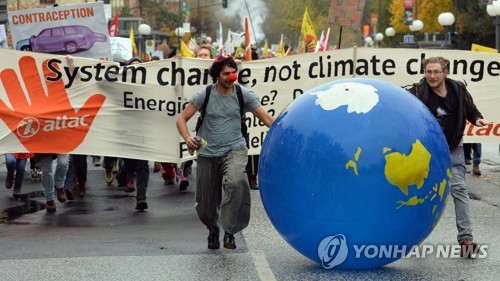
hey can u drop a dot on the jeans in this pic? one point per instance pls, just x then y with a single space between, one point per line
17 167
53 179
476 150
141 170
222 184
460 193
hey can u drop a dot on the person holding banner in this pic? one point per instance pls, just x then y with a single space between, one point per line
451 104
53 180
137 169
222 183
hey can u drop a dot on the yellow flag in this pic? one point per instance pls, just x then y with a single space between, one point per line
132 41
309 40
185 51
281 48
265 52
479 48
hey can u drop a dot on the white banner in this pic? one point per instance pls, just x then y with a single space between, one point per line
93 107
79 29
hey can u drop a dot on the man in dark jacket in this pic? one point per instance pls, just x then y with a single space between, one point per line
452 105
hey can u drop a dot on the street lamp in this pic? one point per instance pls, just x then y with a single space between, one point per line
378 38
493 10
446 20
415 27
390 32
368 41
143 30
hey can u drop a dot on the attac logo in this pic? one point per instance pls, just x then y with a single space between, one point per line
52 125
28 127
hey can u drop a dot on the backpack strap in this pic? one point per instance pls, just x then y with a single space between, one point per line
204 107
239 93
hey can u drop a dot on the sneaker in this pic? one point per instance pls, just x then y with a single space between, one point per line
183 185
9 180
213 241
169 181
475 170
469 248
50 206
468 162
97 163
130 186
61 195
69 194
82 191
36 174
17 192
108 177
141 205
229 241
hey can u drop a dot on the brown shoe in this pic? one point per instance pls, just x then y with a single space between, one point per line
69 194
50 206
82 191
17 192
475 170
61 195
469 248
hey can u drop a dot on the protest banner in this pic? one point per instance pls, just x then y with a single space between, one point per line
52 103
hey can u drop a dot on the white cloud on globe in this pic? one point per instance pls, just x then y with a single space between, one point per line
359 98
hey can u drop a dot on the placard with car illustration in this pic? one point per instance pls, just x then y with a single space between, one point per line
76 30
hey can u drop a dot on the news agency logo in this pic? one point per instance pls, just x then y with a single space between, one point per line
333 251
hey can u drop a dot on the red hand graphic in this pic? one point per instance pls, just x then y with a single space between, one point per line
47 122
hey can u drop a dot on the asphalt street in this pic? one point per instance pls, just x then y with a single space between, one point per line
103 237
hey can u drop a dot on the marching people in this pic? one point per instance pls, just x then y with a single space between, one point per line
222 184
53 180
451 104
16 165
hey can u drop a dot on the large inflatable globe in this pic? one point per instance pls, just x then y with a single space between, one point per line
354 173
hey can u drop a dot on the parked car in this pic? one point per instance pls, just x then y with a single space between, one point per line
23 45
68 39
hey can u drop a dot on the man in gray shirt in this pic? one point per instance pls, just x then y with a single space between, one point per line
222 183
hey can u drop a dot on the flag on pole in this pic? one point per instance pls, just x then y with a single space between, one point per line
281 48
300 47
265 52
248 43
113 28
219 41
229 42
309 40
319 43
185 51
132 41
325 45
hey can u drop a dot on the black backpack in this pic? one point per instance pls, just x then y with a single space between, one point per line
239 94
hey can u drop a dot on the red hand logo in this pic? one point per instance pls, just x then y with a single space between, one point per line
47 122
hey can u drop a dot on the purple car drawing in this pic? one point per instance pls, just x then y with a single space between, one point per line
67 39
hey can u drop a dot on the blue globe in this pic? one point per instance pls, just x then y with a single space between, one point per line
354 173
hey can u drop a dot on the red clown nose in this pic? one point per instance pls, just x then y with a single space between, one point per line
232 77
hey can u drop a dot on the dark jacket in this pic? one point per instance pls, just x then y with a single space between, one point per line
466 107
